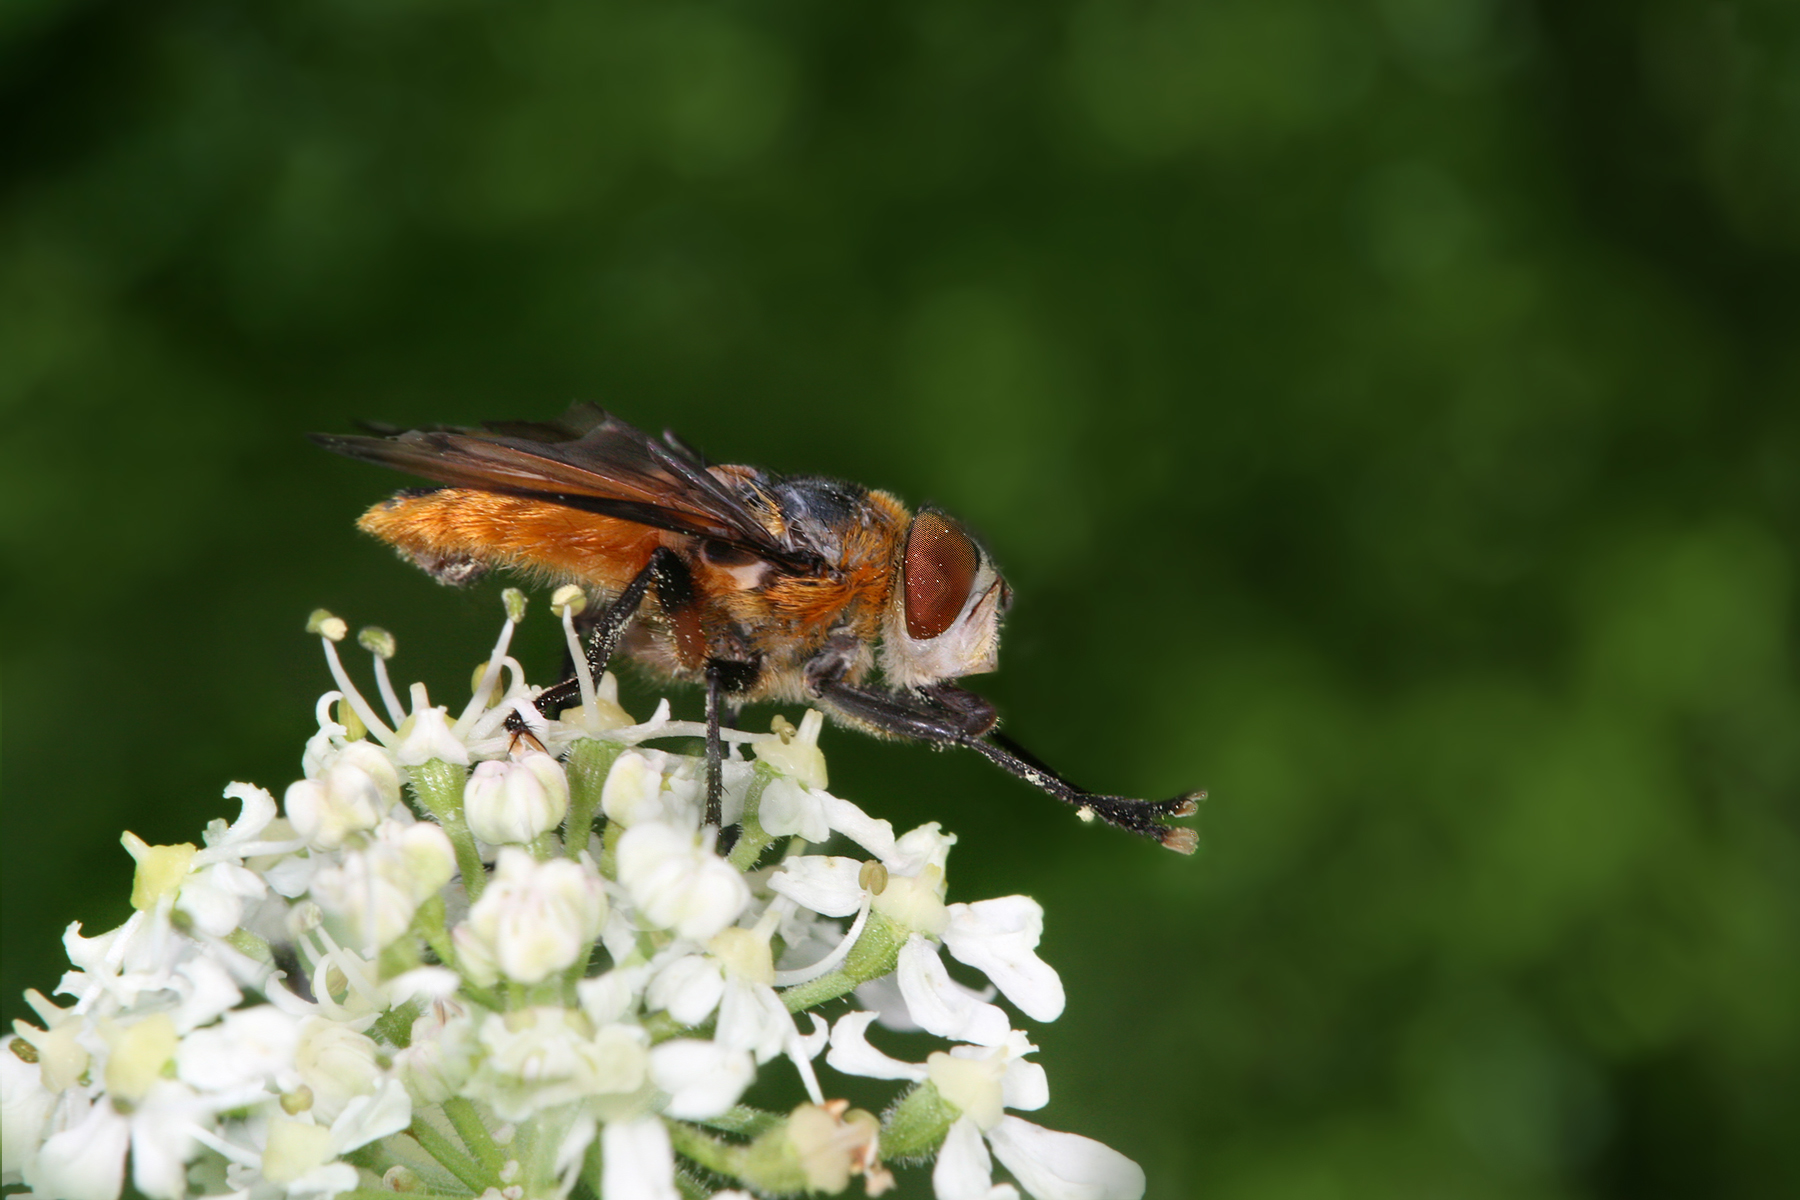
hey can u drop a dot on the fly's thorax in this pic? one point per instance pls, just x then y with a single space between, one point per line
943 615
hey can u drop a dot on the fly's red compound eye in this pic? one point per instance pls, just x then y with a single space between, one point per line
941 561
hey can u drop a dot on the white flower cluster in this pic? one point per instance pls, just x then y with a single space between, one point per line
547 981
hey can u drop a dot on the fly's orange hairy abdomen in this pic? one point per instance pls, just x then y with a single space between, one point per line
457 533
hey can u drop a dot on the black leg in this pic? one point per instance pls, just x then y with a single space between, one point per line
603 637
715 748
961 719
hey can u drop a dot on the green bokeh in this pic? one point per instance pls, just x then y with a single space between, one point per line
1385 412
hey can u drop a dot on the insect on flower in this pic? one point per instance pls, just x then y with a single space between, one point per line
799 590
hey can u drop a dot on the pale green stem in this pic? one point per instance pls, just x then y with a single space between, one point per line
462 1114
439 787
588 765
752 840
451 1158
874 955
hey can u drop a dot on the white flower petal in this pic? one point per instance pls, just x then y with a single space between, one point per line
752 1017
25 1104
964 1171
939 1004
248 1046
1064 1166
638 1163
1024 1086
367 1118
688 989
85 1161
851 1053
160 1141
828 885
788 809
999 938
703 1079
877 837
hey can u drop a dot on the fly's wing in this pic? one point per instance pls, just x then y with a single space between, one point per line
591 461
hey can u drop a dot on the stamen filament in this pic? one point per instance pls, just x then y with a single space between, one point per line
354 698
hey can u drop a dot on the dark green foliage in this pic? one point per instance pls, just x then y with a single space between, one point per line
1386 413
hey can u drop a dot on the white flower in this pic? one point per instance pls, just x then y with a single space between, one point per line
677 882
336 1063
514 802
352 793
637 1161
190 1059
25 1105
703 1079
378 888
441 1055
534 919
1064 1166
538 1058
247 1047
982 1082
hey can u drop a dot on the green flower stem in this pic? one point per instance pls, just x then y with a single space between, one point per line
432 924
744 1121
543 847
384 1194
752 840
439 787
469 1127
874 955
715 1154
588 765
609 849
917 1125
452 1159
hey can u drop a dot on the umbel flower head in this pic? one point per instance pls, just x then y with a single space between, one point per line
462 962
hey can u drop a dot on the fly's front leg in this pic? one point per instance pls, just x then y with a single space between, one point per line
724 678
952 717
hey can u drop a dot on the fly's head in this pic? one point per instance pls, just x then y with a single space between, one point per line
943 619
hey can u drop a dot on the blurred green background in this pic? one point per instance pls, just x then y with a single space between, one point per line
1385 412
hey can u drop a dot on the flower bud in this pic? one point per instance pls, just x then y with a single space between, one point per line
513 802
677 882
426 735
538 1058
353 793
379 888
533 920
337 1063
440 1058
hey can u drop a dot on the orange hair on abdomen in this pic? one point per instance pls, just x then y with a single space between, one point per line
515 532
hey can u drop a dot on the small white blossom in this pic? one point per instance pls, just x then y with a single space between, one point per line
513 802
379 888
534 919
352 793
677 882
703 1079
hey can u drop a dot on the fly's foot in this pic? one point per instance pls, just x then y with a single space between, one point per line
1145 817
